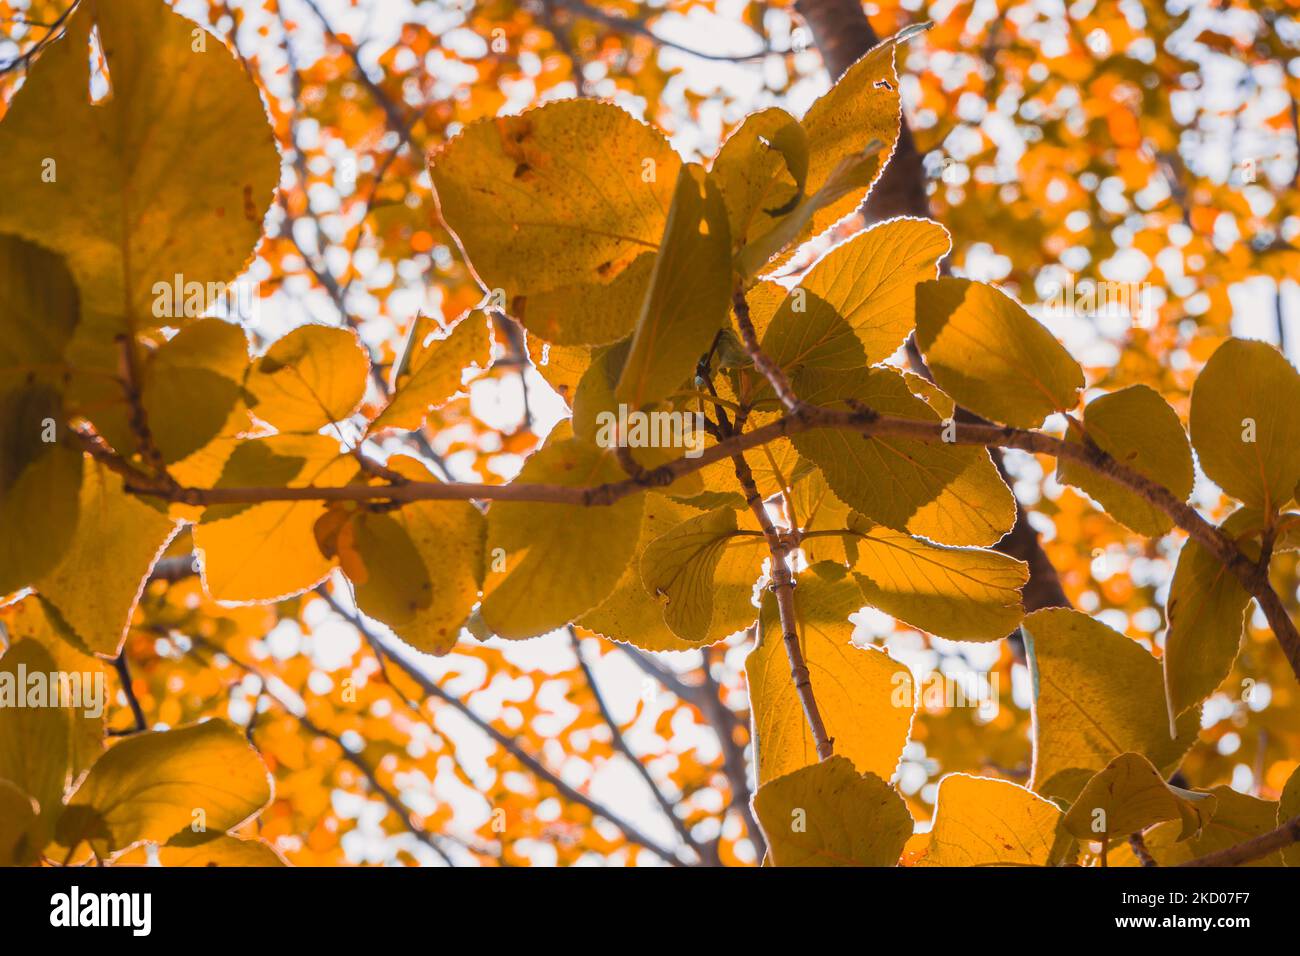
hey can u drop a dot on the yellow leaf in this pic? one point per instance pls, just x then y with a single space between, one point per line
840 128
264 552
430 370
1288 808
548 564
123 207
97 584
313 376
36 619
552 221
690 289
1137 428
33 734
631 614
154 785
1097 694
862 291
1244 425
1237 818
962 594
20 839
864 696
39 478
222 850
1206 610
756 176
424 563
1128 796
979 821
948 493
829 815
192 388
703 571
989 354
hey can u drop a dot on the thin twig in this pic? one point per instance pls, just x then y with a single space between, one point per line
535 766
621 745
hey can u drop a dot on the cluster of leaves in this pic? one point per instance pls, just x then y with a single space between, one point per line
642 281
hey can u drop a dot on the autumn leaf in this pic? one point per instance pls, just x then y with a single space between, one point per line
828 814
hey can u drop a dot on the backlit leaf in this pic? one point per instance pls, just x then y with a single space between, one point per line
1128 796
864 696
313 376
538 210
947 493
1098 694
1243 424
690 288
1137 428
430 370
98 582
548 564
148 787
979 821
989 354
827 814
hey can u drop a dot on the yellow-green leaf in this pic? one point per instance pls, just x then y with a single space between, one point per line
1206 609
548 564
829 815
1244 424
703 571
156 784
963 594
862 291
1128 796
864 696
631 614
423 564
1137 428
559 206
1097 694
948 493
991 355
690 288
313 376
98 582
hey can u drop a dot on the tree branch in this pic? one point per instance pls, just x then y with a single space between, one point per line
620 744
811 417
1262 845
535 766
